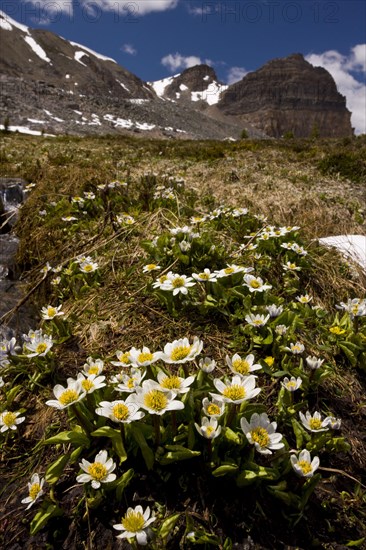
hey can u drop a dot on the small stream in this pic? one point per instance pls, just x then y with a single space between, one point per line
12 195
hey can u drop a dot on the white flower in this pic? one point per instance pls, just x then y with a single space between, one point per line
128 382
150 267
89 195
66 396
242 366
334 423
313 362
304 298
181 351
50 312
303 465
174 383
124 359
69 219
88 266
298 249
237 390
256 320
93 366
255 284
209 428
34 490
91 382
126 219
77 200
56 281
134 524
185 246
99 471
293 384
296 349
205 276
120 411
232 269
177 283
150 397
261 433
274 311
214 408
207 364
281 329
160 281
40 344
9 346
144 357
355 307
290 266
10 420
314 423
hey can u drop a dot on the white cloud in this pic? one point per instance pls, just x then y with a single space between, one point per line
177 61
128 48
348 72
133 8
235 74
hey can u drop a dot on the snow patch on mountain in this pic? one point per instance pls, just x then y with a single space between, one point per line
92 52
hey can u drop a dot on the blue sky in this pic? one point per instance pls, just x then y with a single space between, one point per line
157 38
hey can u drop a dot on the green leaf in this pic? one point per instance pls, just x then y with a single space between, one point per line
298 432
147 453
176 453
12 394
55 469
76 438
42 517
349 353
356 543
225 469
168 525
231 436
122 482
116 437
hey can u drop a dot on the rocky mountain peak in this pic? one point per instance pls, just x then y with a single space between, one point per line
289 95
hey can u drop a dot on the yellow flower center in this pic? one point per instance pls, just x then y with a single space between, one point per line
213 409
87 385
209 430
229 270
133 522
178 282
254 283
260 436
93 370
97 470
180 352
257 322
315 423
337 330
68 397
9 419
124 357
291 385
131 383
163 278
269 360
234 392
296 348
121 411
41 348
145 356
241 366
150 267
292 266
51 311
171 383
155 400
34 491
88 267
305 466
204 276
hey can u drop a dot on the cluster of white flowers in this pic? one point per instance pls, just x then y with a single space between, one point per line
356 307
37 343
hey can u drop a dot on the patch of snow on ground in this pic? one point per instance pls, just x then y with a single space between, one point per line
25 130
211 95
98 55
37 49
352 246
123 85
160 85
183 87
7 23
139 101
144 126
35 121
78 56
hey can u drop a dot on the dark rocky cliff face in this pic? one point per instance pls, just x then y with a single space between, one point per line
289 95
194 79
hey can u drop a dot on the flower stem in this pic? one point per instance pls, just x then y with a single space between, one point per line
156 420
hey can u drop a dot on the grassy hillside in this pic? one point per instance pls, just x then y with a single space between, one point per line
194 351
